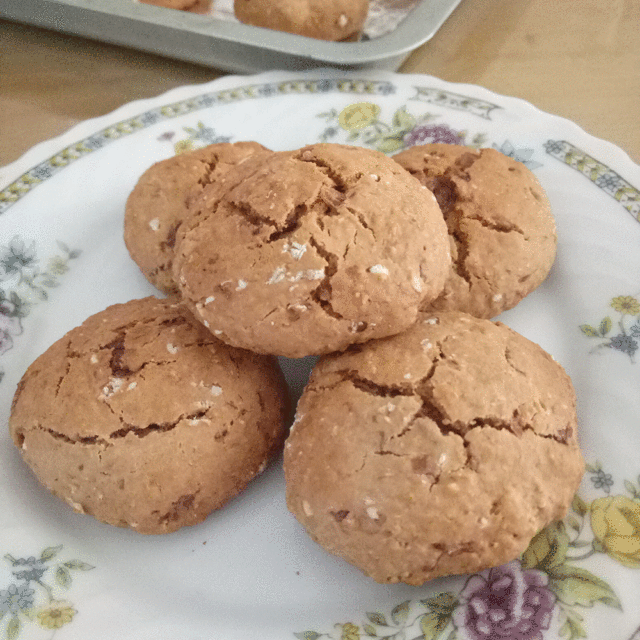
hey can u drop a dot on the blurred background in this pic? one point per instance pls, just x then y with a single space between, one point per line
575 58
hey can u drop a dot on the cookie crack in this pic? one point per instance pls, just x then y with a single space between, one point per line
510 361
340 185
291 223
86 440
321 295
374 388
154 427
254 218
464 162
500 227
182 504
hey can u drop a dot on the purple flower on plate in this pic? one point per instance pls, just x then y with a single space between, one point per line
505 602
430 133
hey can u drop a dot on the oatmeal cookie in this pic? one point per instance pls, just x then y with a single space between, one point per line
157 205
502 231
314 250
442 450
321 19
141 418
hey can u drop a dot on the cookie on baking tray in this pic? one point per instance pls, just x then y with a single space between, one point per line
182 5
442 450
313 250
141 418
321 19
503 235
157 205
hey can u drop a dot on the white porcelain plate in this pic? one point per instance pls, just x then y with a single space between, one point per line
250 572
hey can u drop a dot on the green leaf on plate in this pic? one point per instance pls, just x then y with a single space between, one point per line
572 628
50 552
377 618
63 577
389 144
432 625
442 603
579 505
605 326
403 120
588 330
576 586
573 523
308 635
547 549
13 628
400 613
629 486
78 565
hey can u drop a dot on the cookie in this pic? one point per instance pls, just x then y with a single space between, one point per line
321 19
141 418
183 5
502 232
442 450
316 249
158 203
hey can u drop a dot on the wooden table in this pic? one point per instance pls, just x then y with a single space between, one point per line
578 59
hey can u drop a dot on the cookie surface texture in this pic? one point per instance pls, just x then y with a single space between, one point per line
322 19
439 451
317 249
142 419
502 232
157 205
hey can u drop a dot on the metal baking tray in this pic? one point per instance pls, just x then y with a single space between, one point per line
226 44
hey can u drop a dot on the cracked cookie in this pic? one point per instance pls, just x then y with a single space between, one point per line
157 205
321 19
141 418
442 450
502 232
313 250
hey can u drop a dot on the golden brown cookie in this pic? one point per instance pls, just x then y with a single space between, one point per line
142 419
183 5
315 250
503 235
442 450
322 19
157 205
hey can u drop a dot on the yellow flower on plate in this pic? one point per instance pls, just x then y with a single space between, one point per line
58 265
56 615
350 632
358 116
615 522
182 146
626 304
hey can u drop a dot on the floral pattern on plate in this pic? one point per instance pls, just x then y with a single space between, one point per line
590 558
627 325
33 595
24 284
523 599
